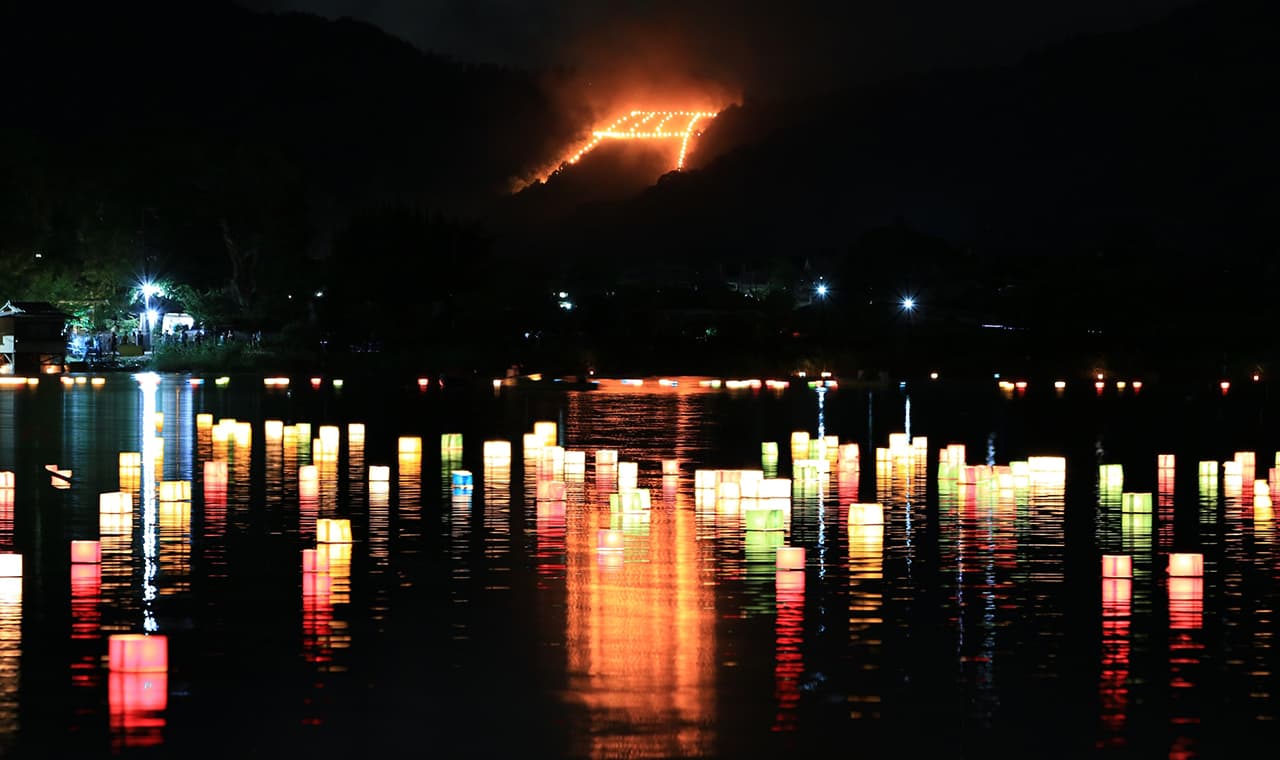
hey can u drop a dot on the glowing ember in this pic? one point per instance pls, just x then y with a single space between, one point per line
648 125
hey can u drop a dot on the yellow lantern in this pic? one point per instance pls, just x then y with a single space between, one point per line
333 531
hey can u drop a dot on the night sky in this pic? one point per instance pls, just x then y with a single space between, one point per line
769 48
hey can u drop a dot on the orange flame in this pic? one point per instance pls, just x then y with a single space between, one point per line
646 125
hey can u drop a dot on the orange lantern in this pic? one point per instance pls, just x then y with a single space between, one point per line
86 551
215 476
671 467
790 558
1117 566
1186 565
7 480
137 653
866 514
115 503
329 531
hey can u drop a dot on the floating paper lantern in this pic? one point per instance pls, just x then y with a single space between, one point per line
817 449
1225 385
461 479
671 467
276 382
800 441
609 540
424 383
86 552
848 454
10 565
1135 502
575 460
790 558
1059 385
7 480
355 432
1186 565
379 473
409 444
1165 461
628 475
769 449
1117 566
333 531
706 479
451 442
1111 476
531 443
606 457
308 473
728 491
775 488
338 383
115 503
866 514
330 436
222 382
314 561
497 449
175 490
546 432
215 475
315 382
137 653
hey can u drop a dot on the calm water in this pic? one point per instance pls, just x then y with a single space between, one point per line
975 622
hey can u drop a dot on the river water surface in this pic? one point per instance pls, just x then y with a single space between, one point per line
488 622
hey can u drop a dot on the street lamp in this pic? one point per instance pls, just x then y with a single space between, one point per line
149 315
908 304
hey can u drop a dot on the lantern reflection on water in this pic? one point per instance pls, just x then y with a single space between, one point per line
10 565
609 540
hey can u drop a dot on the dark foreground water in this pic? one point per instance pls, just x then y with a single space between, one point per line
975 622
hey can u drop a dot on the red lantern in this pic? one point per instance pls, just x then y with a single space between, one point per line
86 551
138 653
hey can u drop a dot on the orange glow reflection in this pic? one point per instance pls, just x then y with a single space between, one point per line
640 641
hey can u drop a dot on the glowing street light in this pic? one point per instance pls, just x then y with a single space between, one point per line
821 290
908 304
